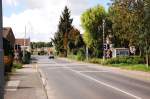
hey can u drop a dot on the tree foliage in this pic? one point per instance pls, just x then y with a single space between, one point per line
75 40
131 23
41 44
91 21
61 36
127 18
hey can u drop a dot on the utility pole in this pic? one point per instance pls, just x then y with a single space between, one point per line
103 39
1 55
24 45
87 53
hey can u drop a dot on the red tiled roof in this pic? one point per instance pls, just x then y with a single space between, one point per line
21 42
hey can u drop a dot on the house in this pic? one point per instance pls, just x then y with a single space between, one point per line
8 35
24 43
8 44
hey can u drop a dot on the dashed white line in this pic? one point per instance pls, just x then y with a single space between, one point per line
92 71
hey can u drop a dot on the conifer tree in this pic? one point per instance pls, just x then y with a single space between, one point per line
61 36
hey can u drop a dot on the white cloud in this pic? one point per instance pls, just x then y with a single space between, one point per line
10 2
41 17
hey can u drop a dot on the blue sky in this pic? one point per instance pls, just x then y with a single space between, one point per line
19 13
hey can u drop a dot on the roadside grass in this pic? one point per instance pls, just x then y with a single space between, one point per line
17 65
135 67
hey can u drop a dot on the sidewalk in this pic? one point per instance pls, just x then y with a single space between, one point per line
25 84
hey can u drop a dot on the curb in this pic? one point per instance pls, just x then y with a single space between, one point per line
45 84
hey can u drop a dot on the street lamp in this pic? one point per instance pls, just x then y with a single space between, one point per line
103 39
1 55
24 45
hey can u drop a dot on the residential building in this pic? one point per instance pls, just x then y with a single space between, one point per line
24 43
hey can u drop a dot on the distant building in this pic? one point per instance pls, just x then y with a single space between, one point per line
24 43
120 52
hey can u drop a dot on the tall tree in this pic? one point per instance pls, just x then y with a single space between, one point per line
91 21
58 42
127 18
61 36
65 27
146 35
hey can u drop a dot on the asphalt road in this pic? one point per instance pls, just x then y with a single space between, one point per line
72 80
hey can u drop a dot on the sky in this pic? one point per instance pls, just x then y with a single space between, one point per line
40 17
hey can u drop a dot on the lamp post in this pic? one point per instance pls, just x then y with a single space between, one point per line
1 55
24 45
103 39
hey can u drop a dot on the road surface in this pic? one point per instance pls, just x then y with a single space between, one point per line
73 80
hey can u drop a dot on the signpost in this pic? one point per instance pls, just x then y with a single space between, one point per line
1 55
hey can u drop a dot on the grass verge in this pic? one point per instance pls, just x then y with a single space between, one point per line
17 66
136 67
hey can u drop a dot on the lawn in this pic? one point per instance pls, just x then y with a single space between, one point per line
137 67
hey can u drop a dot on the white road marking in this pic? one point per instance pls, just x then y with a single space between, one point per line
56 68
12 85
105 84
92 71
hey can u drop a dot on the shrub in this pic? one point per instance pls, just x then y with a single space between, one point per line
125 60
26 59
119 60
17 65
96 60
81 54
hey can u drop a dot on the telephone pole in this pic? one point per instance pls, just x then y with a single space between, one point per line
103 39
1 55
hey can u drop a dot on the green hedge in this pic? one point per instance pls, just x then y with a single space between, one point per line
81 54
119 60
27 58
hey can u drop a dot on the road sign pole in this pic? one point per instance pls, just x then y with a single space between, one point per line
1 55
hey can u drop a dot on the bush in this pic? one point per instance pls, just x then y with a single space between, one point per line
96 60
81 54
26 59
125 60
17 65
119 60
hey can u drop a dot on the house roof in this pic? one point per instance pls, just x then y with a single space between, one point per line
21 41
8 35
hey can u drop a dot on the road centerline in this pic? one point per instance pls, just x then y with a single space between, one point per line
105 84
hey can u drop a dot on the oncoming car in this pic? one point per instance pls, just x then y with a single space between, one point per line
51 55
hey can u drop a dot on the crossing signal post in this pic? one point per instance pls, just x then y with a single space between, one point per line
103 39
106 46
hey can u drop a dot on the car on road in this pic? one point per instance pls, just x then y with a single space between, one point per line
51 56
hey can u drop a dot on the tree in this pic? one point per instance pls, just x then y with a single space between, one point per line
131 23
127 18
91 21
64 27
75 41
146 35
58 42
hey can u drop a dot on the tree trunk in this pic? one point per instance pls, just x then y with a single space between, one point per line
147 56
147 60
65 44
